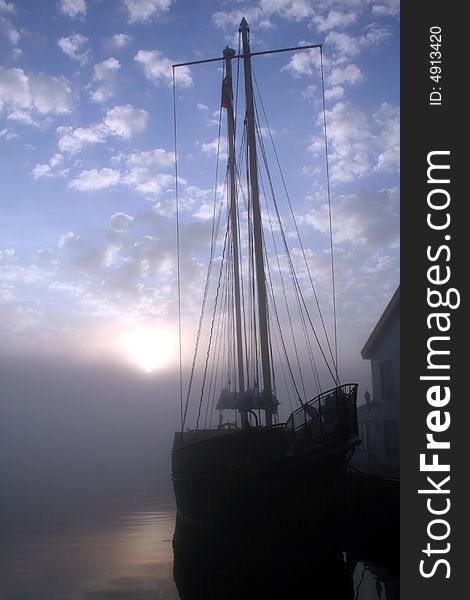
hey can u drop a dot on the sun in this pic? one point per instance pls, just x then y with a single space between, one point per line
149 348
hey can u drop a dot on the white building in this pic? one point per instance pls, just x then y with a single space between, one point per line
379 417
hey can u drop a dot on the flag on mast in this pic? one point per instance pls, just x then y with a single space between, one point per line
226 92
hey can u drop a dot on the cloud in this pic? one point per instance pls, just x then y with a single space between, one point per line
303 63
388 119
350 74
7 253
10 31
72 141
25 96
14 88
124 121
358 144
228 19
94 179
50 169
69 239
334 19
74 47
158 69
144 172
8 134
147 159
386 8
342 46
216 146
335 92
260 16
7 7
51 94
104 78
369 219
293 10
144 11
121 222
120 40
120 121
73 8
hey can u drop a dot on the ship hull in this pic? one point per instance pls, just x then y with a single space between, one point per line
245 509
248 492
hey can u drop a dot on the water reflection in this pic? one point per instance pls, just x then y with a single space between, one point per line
211 573
127 554
124 554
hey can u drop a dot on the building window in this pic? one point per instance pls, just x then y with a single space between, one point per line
391 437
386 375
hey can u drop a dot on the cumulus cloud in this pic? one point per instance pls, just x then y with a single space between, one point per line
73 8
303 63
229 19
104 80
7 7
370 219
120 121
215 147
7 253
334 19
147 159
51 94
350 74
121 222
74 47
50 169
145 172
8 134
10 31
24 95
358 144
386 8
72 141
388 119
94 179
120 40
144 11
124 121
158 69
344 46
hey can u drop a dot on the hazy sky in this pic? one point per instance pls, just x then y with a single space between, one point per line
87 227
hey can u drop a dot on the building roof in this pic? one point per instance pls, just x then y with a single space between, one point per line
378 329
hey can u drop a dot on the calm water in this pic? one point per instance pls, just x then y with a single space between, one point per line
127 554
123 553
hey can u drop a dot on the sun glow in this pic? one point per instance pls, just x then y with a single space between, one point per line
150 348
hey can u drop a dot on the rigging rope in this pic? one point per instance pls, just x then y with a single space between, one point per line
214 235
212 327
281 173
178 269
329 211
297 287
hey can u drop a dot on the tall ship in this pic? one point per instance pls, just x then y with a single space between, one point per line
247 483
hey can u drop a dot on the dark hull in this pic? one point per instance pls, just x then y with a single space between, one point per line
244 509
262 500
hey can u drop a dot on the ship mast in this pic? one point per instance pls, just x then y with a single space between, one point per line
227 97
267 392
268 402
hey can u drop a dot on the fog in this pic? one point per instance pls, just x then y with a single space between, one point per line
77 434
80 434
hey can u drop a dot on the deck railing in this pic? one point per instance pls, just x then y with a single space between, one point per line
331 417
